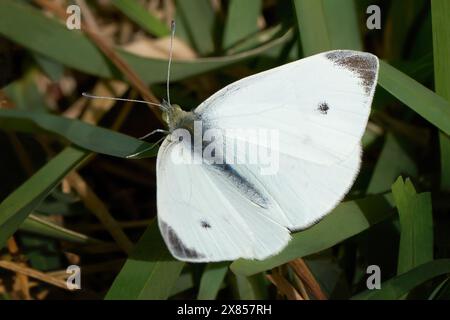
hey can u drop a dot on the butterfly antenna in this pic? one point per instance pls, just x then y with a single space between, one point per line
90 96
172 35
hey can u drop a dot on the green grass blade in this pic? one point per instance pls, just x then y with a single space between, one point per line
25 94
440 290
423 101
342 24
137 13
153 70
249 288
149 273
53 69
255 40
402 284
19 204
36 225
440 11
184 282
392 162
416 225
85 135
396 29
444 147
71 48
198 19
348 219
212 279
322 23
312 25
241 21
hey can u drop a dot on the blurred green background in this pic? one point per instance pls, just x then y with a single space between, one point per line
69 195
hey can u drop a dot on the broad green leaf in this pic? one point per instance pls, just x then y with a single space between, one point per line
90 137
149 273
42 227
19 204
140 15
416 225
440 11
392 162
346 220
198 18
71 48
423 101
326 24
400 285
211 280
241 22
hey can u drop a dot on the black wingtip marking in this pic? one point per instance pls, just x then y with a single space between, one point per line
205 224
323 108
363 64
177 245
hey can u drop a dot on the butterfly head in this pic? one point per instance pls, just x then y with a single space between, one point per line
175 117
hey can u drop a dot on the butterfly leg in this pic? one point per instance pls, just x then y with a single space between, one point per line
135 155
153 132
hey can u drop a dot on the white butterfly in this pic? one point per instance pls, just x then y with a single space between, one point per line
319 106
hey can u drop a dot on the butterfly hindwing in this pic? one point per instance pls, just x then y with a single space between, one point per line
203 218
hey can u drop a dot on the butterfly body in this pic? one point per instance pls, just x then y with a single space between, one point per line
177 118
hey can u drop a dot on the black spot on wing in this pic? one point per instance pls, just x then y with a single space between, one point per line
177 245
323 108
205 224
364 65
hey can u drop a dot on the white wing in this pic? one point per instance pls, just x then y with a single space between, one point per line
214 213
319 105
203 218
302 192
